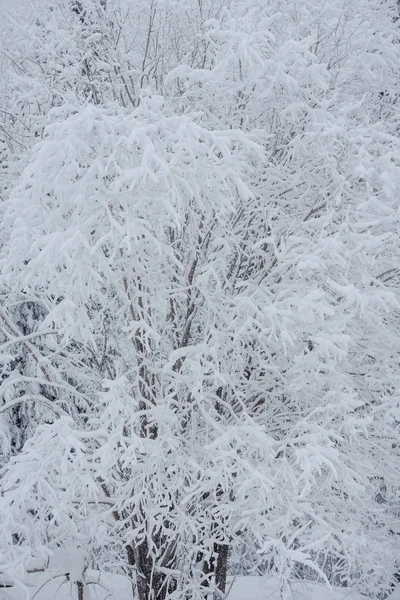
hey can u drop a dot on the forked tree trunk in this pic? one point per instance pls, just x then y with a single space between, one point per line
151 583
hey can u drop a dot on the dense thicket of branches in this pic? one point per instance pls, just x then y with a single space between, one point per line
199 289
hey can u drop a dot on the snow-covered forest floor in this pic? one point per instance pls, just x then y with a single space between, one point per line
114 587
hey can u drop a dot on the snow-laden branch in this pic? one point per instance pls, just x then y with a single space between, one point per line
57 410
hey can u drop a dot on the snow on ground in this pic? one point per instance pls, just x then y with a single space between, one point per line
114 587
257 588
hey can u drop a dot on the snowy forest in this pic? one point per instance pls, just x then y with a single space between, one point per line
200 296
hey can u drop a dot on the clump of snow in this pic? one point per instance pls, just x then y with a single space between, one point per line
68 561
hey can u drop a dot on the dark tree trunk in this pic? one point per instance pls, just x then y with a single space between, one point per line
131 562
143 570
151 583
222 567
79 587
216 566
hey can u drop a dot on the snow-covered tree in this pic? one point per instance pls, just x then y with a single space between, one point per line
213 359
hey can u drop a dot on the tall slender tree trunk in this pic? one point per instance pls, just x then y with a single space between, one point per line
143 570
80 589
221 569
